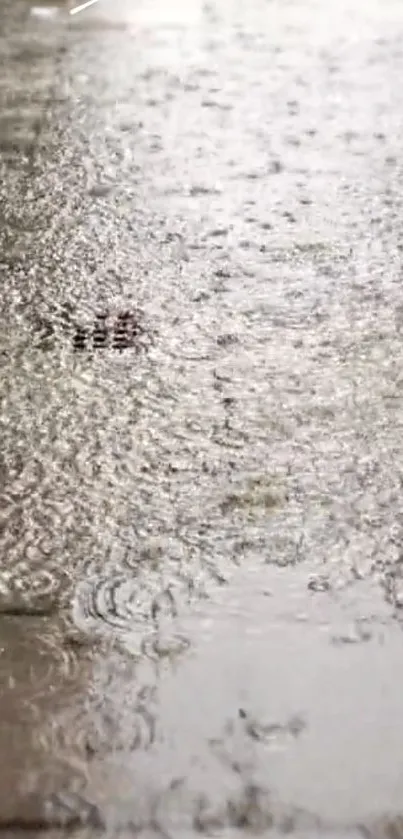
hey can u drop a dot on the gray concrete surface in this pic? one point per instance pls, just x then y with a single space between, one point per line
201 575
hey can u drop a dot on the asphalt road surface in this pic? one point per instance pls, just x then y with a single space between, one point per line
201 465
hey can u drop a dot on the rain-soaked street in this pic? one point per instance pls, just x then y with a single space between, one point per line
201 345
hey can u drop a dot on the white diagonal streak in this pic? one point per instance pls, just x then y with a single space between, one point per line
82 6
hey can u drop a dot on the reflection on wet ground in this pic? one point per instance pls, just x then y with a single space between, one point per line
201 581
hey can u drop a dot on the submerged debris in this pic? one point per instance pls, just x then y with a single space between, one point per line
260 492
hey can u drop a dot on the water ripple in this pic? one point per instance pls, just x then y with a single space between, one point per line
114 601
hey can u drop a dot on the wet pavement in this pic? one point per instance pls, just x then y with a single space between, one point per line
201 580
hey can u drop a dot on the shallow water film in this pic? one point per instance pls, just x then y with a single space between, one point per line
201 466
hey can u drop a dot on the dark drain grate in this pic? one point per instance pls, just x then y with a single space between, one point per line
100 333
109 330
122 331
80 338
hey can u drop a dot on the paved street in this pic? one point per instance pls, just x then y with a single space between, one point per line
201 507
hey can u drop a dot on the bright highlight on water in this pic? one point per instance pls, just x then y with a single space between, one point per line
82 6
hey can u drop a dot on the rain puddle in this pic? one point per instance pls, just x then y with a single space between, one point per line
201 578
268 707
